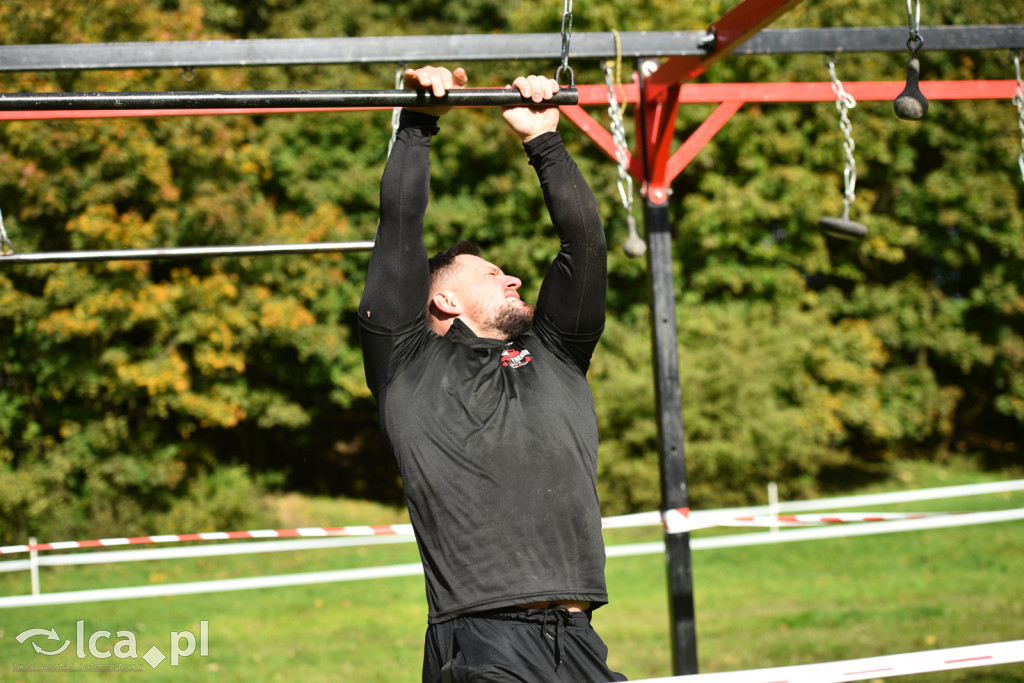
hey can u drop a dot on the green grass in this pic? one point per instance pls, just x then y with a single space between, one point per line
758 606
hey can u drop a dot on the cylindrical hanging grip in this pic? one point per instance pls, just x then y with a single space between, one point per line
471 97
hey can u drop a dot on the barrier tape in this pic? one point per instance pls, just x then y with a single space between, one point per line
675 521
681 520
220 585
378 530
869 668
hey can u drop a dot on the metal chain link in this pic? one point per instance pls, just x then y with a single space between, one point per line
634 245
915 41
845 102
1018 99
625 182
566 38
5 244
396 112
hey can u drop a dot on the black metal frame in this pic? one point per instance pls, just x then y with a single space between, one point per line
631 46
361 50
509 47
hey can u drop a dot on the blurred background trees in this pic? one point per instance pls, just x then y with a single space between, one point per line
144 397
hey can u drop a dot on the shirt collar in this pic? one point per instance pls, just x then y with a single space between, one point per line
459 333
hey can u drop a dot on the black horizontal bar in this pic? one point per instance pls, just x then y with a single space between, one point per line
472 97
489 47
175 253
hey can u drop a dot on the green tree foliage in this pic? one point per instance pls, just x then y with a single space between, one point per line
145 397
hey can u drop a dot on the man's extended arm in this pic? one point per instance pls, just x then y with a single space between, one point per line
573 293
398 278
397 281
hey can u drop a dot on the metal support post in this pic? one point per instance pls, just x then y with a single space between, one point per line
670 430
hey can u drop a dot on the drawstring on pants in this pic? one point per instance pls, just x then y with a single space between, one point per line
560 613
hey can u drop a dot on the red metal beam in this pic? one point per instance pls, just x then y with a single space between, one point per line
590 127
659 113
731 97
867 91
661 89
704 93
600 135
597 95
700 137
731 31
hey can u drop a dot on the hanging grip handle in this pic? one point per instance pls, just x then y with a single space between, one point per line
842 228
911 104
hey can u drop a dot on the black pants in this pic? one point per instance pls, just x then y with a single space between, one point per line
532 646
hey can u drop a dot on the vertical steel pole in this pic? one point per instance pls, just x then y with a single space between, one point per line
670 430
654 114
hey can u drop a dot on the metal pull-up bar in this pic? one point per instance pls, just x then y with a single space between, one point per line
176 253
470 97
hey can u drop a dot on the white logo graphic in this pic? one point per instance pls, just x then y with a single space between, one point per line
182 644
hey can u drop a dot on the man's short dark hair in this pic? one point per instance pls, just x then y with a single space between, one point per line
442 260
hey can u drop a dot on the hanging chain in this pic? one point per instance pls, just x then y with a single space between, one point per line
845 102
634 245
566 37
915 41
1018 99
396 112
625 181
5 244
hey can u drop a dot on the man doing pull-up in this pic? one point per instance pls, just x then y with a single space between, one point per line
483 401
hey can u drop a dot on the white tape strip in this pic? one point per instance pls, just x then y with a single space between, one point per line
677 521
216 586
817 533
940 493
306 532
240 548
870 667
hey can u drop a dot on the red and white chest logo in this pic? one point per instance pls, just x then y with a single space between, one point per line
510 358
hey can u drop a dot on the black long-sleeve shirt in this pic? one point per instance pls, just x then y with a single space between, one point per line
496 440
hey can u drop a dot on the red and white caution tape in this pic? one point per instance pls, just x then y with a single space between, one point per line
675 521
309 532
680 521
869 668
831 518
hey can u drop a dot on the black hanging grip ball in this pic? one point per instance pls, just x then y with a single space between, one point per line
911 104
842 228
